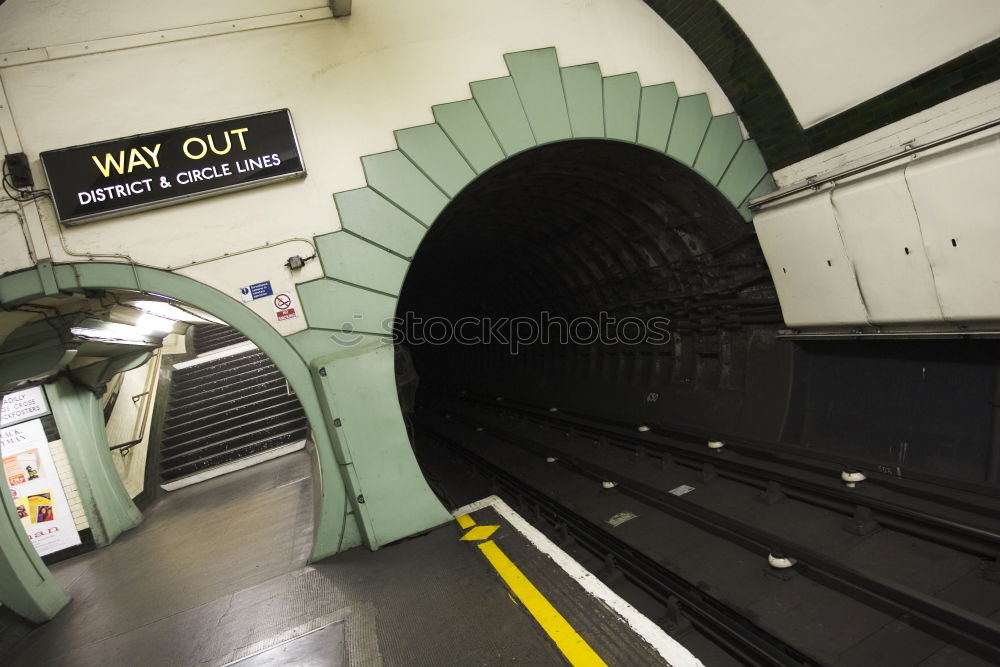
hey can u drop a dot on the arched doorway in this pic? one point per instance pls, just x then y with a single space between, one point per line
329 496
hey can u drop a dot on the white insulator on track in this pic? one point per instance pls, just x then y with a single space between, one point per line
447 416
479 429
550 459
608 485
716 444
643 428
780 562
553 409
499 398
852 478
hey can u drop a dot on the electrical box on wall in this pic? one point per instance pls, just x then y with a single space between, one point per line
16 171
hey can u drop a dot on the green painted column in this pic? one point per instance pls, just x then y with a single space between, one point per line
26 585
358 384
109 508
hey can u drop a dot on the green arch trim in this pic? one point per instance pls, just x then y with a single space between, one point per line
329 492
538 102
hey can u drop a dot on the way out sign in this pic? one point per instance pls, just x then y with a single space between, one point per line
284 308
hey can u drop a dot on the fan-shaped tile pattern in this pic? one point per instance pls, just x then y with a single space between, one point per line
353 260
465 125
539 86
369 215
691 121
430 148
538 103
621 106
330 304
501 106
656 115
584 89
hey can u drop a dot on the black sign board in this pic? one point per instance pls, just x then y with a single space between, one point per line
161 168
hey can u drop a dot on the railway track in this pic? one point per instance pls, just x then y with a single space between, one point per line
523 450
963 520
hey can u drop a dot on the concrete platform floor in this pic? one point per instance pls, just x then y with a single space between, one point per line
217 575
162 592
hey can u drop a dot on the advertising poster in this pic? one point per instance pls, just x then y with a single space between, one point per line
35 487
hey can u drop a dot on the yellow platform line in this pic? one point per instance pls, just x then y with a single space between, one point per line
572 645
465 521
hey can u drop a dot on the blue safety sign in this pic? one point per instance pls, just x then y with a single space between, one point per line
256 291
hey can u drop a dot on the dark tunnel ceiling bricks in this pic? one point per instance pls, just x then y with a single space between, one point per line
538 103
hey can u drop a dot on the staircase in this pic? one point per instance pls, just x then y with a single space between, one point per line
211 337
226 413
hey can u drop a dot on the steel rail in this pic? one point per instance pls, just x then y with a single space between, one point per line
953 533
817 462
716 620
947 621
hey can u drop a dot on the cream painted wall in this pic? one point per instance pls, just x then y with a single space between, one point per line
130 419
348 82
32 24
829 55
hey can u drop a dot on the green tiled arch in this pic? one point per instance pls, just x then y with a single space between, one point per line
538 103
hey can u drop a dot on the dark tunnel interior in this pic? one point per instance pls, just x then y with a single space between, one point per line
615 234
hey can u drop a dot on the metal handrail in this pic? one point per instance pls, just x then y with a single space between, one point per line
153 373
813 183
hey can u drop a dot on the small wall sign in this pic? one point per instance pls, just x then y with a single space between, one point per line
22 405
256 291
283 308
122 176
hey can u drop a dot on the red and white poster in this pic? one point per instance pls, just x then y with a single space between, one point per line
35 487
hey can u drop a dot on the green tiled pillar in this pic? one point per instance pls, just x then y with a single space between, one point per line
26 585
358 384
110 510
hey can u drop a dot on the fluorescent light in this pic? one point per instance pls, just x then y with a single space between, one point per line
149 323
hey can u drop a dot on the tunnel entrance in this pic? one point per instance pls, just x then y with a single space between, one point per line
715 453
551 278
593 274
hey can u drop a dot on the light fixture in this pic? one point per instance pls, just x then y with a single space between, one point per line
154 324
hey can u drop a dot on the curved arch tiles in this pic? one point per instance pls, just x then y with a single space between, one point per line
539 102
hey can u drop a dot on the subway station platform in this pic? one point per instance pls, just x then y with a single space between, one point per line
217 575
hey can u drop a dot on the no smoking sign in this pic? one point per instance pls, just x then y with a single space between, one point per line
283 307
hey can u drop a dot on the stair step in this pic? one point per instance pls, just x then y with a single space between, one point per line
211 449
246 450
240 463
234 418
212 337
185 374
195 411
210 373
222 340
235 374
220 387
232 427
